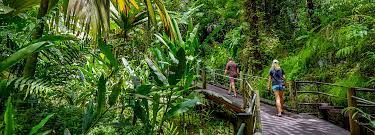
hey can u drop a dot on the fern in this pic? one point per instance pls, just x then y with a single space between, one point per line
27 85
170 129
345 52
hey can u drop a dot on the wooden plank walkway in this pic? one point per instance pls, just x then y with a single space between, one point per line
289 124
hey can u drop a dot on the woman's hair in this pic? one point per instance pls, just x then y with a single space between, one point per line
230 58
275 65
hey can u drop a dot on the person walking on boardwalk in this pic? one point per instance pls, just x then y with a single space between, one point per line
277 79
233 69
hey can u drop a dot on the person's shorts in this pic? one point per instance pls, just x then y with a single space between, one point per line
278 87
232 79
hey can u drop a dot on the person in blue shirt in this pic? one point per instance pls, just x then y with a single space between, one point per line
277 79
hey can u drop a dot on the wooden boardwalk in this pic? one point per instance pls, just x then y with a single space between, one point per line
289 124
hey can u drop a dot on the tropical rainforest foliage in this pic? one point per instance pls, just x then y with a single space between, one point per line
130 66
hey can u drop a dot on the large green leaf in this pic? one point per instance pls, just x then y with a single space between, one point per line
159 76
166 41
147 115
151 12
139 111
61 37
100 99
177 70
155 107
89 115
36 128
108 53
144 89
20 54
178 34
115 93
127 67
8 118
181 107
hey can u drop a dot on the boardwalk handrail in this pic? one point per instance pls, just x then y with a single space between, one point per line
249 118
241 129
351 97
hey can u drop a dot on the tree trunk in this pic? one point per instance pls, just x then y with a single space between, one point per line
253 33
30 67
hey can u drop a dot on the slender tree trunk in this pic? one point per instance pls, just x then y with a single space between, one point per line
30 67
253 19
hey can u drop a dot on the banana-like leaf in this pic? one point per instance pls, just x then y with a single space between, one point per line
147 115
155 107
101 95
144 89
165 40
36 128
20 54
151 12
159 55
8 118
178 70
89 116
159 76
181 107
165 18
127 67
140 112
54 38
188 81
115 93
108 53
178 33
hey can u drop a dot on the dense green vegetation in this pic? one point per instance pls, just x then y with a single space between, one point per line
129 66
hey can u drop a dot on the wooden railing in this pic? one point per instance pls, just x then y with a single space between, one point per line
324 102
249 119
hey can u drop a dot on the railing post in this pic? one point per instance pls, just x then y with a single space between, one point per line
354 127
293 95
241 83
204 78
213 75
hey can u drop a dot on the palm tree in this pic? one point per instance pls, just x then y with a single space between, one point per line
94 16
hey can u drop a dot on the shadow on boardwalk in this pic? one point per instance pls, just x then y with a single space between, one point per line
296 124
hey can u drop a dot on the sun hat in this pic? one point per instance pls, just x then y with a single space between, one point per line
275 61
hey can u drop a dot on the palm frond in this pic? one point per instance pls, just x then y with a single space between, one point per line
28 86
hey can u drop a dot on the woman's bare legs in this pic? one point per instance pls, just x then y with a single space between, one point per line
278 101
233 86
282 100
230 88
